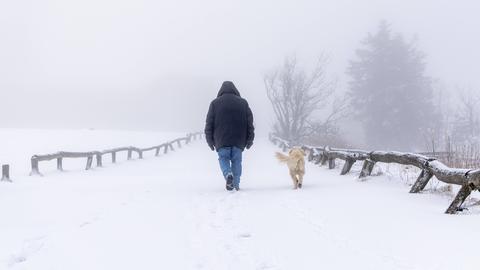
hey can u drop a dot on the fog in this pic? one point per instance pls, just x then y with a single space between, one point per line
156 65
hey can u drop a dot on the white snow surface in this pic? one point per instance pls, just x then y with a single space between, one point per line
173 212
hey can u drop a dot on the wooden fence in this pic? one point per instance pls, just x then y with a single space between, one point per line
469 180
98 155
6 173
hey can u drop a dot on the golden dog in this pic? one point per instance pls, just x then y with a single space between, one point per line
296 165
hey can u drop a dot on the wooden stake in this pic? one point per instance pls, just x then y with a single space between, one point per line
421 182
462 194
89 163
331 163
35 170
60 164
347 166
367 168
6 173
99 160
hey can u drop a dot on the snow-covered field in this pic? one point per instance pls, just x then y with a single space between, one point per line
172 212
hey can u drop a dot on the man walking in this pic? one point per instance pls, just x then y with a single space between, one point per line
229 130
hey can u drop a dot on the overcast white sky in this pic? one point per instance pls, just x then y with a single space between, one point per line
140 63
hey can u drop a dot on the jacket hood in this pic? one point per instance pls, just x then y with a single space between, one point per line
228 88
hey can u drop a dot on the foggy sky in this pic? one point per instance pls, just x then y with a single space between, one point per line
157 64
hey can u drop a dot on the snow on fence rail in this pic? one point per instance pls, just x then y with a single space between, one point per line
59 156
469 180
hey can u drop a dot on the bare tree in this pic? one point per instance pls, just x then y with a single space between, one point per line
467 119
296 95
458 137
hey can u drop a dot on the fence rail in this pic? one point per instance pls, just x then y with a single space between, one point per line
59 156
469 180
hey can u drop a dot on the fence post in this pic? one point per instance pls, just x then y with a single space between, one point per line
323 159
463 193
317 158
35 170
157 151
89 163
6 173
367 168
171 146
331 163
140 154
310 155
166 149
129 154
179 144
422 181
347 166
60 164
114 157
99 160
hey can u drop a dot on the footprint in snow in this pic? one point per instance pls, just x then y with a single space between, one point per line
265 266
84 224
245 235
90 222
29 248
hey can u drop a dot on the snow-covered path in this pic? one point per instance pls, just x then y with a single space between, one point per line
172 212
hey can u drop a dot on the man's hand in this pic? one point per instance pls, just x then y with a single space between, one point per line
249 144
211 147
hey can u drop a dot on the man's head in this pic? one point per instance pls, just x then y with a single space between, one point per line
228 88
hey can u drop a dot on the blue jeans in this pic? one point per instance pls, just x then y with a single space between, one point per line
230 159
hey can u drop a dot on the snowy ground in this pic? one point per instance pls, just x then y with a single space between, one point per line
172 212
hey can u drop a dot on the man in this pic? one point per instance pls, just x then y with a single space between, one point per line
229 129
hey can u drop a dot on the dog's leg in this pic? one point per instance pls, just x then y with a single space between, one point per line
294 179
300 180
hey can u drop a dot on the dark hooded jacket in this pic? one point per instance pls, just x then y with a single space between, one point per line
229 120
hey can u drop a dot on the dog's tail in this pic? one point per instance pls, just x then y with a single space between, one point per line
281 157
